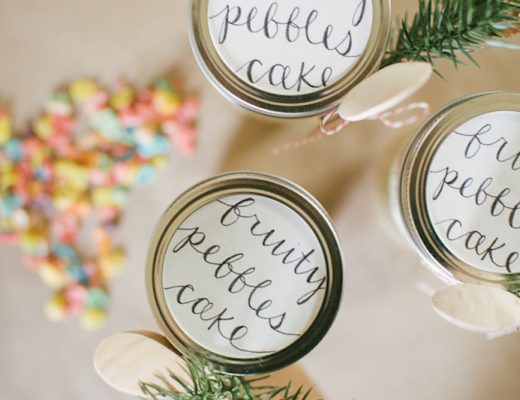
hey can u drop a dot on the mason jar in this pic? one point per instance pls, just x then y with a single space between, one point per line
454 191
245 270
288 59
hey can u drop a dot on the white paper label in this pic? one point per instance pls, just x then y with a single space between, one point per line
244 276
473 192
290 47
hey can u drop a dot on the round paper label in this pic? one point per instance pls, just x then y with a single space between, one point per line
244 276
290 47
473 192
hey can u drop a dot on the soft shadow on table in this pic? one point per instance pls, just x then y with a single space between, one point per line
327 168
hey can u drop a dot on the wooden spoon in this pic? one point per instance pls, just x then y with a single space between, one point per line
126 359
479 308
384 90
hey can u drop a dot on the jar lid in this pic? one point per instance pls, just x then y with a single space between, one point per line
291 58
460 190
245 270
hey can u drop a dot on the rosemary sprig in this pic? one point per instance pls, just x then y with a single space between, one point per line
452 29
207 382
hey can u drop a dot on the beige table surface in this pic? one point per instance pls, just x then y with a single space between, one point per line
386 343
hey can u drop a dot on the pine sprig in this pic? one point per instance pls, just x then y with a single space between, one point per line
207 382
453 29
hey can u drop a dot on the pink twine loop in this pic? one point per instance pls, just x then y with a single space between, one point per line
337 128
315 135
385 117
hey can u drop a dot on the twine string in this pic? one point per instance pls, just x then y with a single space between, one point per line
385 118
332 117
331 124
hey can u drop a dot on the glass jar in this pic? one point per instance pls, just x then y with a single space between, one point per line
292 58
245 269
455 191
